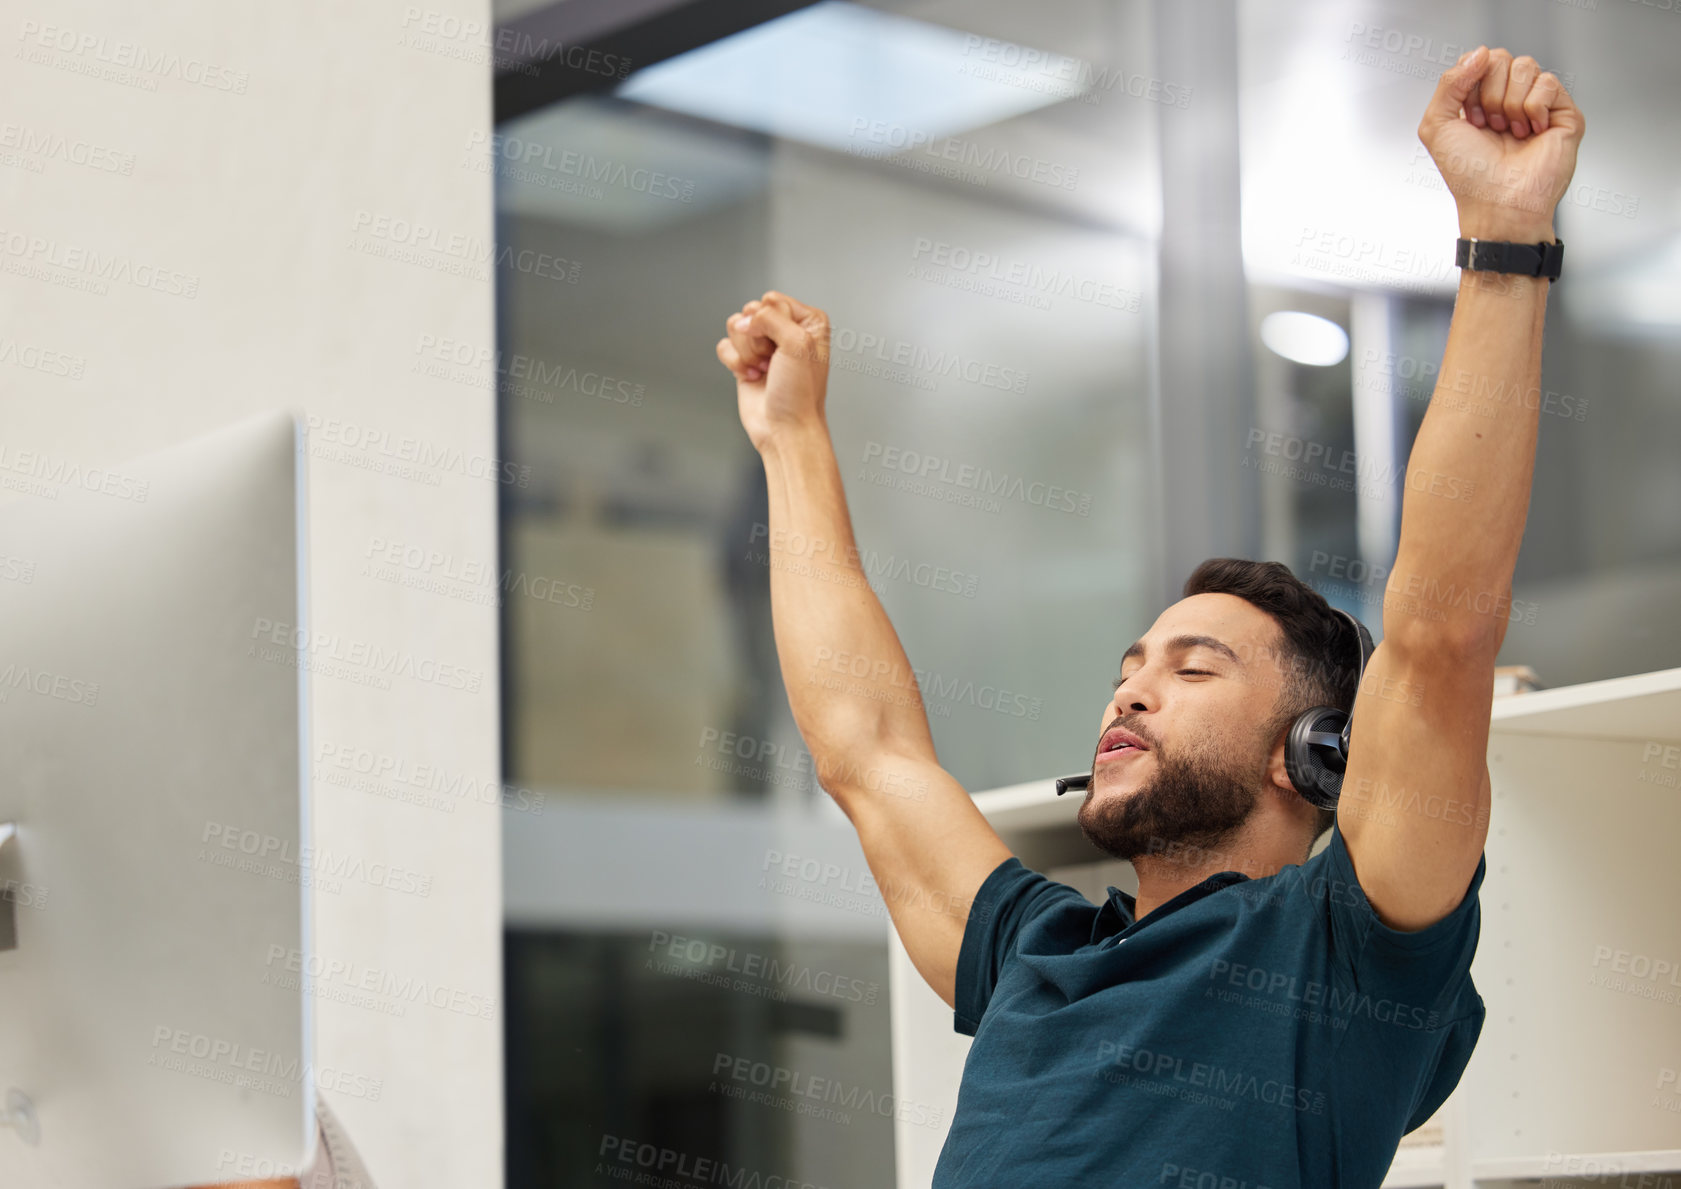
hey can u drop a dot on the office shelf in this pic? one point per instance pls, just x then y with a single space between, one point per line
1561 1164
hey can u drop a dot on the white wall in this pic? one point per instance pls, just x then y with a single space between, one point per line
227 202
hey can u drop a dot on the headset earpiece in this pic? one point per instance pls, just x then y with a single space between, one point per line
1316 749
1313 755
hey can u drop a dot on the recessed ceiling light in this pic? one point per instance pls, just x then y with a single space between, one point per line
854 79
1305 338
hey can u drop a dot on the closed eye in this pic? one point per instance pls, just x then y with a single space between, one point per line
1116 684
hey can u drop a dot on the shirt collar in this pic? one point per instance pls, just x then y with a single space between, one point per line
1118 915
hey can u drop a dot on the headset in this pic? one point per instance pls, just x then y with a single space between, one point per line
1316 748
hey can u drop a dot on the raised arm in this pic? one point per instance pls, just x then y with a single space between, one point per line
852 691
1415 805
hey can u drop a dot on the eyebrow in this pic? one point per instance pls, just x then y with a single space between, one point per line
1184 644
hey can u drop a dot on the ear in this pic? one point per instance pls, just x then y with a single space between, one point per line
1278 776
1298 807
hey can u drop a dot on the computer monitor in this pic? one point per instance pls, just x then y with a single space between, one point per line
153 706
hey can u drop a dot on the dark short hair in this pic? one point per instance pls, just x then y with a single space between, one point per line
1317 648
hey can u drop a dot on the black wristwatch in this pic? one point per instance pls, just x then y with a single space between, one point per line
1530 260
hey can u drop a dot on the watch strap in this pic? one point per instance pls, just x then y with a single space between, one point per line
1530 260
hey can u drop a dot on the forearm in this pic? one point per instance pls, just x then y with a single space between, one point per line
850 685
1504 134
1469 475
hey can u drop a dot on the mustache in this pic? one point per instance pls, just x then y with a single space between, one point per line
1082 780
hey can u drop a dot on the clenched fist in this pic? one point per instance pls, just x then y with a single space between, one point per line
1504 133
778 349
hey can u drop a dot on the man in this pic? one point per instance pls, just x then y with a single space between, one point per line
1254 1017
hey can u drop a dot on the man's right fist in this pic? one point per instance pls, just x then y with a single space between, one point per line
1509 158
778 350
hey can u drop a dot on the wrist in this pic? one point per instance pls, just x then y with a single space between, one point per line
1505 228
792 437
1503 284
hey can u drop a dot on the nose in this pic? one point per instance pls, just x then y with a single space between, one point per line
1134 696
1128 699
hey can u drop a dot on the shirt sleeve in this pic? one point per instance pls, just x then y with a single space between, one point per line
1421 972
1417 982
1009 898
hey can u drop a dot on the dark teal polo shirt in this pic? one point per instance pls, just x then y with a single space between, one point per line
1248 1034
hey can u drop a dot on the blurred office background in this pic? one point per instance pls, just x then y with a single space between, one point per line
1049 238
1052 239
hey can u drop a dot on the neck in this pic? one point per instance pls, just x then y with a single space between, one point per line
1259 849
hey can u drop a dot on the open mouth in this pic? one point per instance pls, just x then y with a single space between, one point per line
1123 749
1120 743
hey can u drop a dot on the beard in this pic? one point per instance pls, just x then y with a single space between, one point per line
1191 804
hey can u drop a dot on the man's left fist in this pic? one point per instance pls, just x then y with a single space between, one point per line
1504 133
